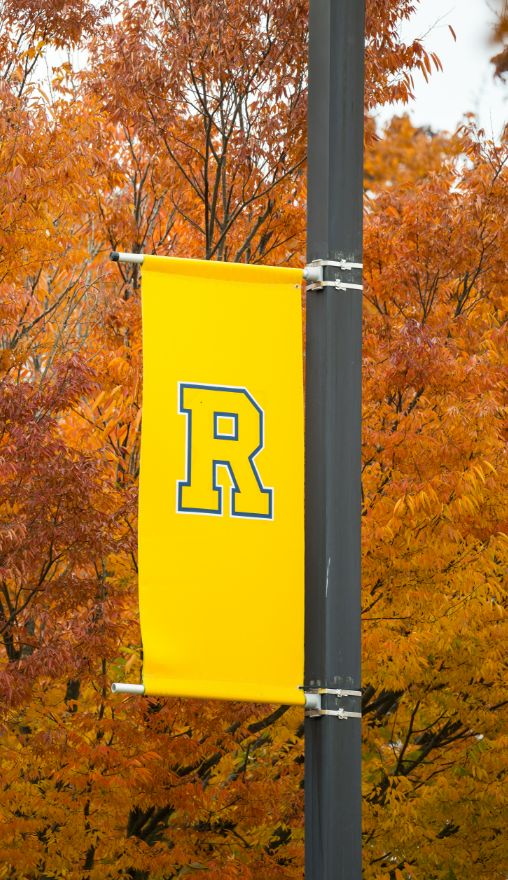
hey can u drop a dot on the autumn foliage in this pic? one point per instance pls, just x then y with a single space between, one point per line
180 130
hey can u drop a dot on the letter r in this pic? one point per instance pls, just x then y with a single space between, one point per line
225 433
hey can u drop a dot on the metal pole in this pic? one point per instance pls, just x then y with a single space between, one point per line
333 440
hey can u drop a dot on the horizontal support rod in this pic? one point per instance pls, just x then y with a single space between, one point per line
119 257
120 687
312 701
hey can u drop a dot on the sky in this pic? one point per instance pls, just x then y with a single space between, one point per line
467 83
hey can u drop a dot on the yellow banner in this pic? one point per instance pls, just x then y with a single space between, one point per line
221 512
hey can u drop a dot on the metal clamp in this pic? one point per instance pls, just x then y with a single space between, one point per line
313 275
314 708
337 713
339 264
337 284
336 692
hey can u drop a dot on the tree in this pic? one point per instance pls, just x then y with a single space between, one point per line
500 59
435 507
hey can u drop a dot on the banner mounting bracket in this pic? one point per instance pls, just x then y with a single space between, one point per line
314 703
313 274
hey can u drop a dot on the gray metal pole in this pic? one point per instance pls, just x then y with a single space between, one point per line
333 439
